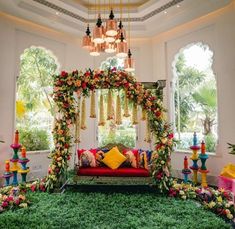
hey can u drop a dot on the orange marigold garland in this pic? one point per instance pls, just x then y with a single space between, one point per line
92 105
83 115
101 110
118 111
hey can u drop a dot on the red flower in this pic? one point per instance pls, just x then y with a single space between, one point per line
66 146
158 113
4 204
66 105
42 187
84 85
75 72
64 74
68 158
171 135
158 146
17 201
10 198
33 188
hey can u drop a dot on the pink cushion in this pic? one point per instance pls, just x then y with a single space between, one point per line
120 172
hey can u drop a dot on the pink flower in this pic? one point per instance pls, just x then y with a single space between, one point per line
84 85
10 198
17 201
171 135
4 204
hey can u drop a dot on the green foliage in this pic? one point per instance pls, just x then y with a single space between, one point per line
210 141
111 211
34 139
187 80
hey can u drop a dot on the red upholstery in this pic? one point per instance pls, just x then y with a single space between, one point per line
120 172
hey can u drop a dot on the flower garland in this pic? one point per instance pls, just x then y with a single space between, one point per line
218 201
66 84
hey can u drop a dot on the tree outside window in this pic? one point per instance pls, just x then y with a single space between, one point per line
195 97
34 105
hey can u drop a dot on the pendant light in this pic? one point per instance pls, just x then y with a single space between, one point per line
129 61
122 45
111 25
86 40
95 49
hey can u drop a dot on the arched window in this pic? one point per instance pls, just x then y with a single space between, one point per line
195 96
124 133
34 105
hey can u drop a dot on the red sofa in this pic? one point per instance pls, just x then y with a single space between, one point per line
120 172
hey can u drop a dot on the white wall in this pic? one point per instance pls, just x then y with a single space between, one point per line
15 36
218 31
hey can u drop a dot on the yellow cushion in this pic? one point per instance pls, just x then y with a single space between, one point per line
228 171
113 159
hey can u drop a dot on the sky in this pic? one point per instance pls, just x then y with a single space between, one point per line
197 57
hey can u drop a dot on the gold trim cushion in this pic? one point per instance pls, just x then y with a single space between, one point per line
113 159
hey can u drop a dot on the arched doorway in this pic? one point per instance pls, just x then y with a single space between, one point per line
194 96
34 105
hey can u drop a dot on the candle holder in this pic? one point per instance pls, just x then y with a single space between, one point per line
24 170
186 171
7 176
194 158
203 170
14 169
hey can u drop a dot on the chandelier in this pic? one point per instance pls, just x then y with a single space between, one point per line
110 38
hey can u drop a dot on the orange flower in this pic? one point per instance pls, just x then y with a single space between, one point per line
78 83
60 132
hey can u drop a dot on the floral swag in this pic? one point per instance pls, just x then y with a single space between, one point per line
69 85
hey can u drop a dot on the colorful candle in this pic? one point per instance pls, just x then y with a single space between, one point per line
185 162
16 138
7 166
195 139
23 152
203 147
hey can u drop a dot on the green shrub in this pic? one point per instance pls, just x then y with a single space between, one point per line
34 139
210 141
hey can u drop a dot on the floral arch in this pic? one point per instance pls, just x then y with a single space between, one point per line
77 83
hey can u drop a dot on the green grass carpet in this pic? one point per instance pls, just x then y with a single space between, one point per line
109 210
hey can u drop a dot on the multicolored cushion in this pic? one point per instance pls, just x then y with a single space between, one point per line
131 158
143 160
99 156
113 159
87 158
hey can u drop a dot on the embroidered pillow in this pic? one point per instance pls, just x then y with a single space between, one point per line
99 156
143 161
131 158
87 158
113 159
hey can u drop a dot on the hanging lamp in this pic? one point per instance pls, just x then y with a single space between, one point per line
111 25
98 31
95 49
122 48
129 61
86 40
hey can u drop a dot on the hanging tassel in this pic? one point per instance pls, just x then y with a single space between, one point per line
83 115
147 132
101 111
126 109
92 105
118 111
144 114
77 124
110 113
134 114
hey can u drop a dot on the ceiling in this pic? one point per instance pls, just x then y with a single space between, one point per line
147 17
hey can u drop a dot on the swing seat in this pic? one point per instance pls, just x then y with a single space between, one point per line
120 172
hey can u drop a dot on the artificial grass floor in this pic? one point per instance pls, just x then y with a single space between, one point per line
93 210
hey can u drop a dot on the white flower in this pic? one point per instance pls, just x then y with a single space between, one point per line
181 192
229 216
183 197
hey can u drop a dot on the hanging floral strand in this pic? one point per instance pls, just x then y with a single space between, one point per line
101 111
147 132
118 111
92 105
77 123
83 115
134 114
144 114
110 114
126 109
